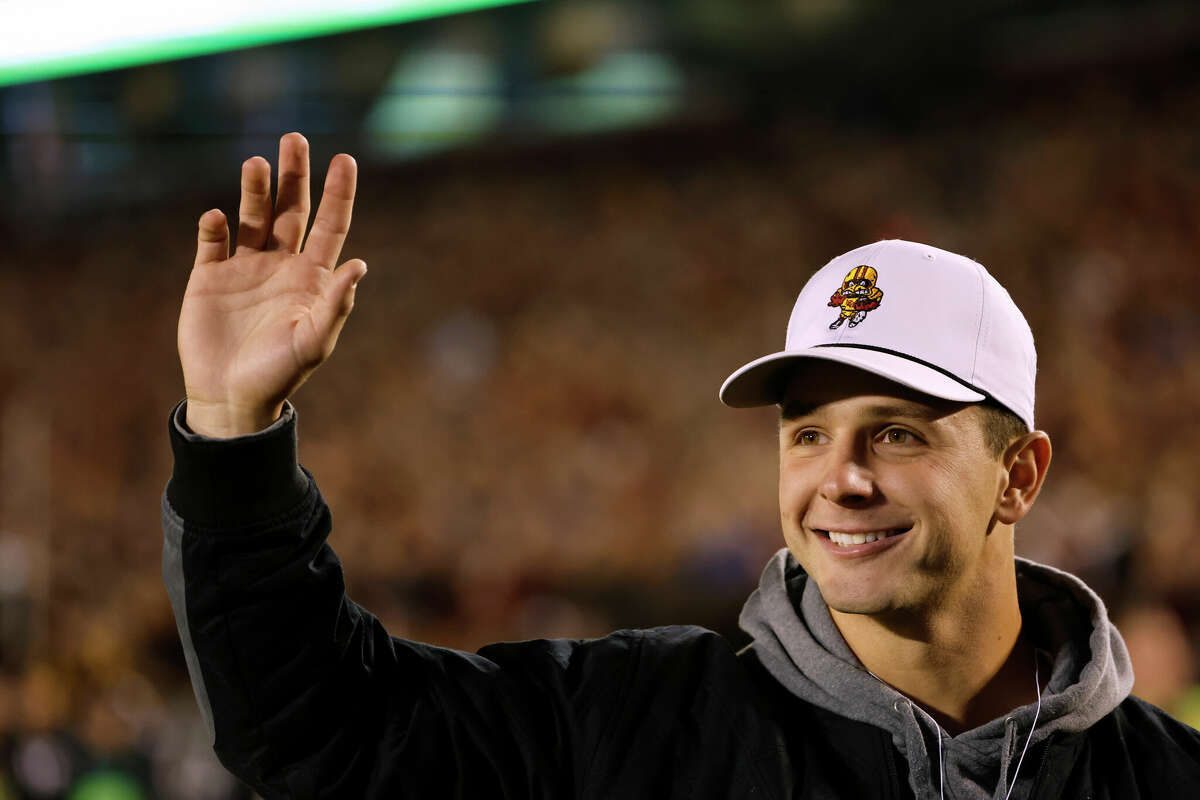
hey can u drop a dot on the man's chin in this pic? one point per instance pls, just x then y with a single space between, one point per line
857 599
864 606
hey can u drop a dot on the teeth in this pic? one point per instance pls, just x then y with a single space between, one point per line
847 539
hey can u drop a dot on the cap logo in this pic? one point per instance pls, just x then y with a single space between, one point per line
857 295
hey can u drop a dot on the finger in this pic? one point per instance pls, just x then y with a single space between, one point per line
254 214
212 240
292 203
332 222
330 314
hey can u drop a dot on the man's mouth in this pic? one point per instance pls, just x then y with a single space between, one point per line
848 539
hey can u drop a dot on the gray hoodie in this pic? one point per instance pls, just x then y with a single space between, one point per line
797 641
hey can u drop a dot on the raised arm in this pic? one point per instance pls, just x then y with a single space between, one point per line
303 691
255 324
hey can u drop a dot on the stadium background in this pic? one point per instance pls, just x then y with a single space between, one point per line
580 216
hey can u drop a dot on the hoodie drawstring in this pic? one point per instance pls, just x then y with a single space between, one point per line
941 763
1037 685
904 701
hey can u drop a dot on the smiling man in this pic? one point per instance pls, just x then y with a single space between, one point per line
907 453
899 649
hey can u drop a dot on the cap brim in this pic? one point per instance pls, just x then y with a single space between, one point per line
763 381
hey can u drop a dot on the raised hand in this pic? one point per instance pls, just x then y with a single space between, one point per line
255 325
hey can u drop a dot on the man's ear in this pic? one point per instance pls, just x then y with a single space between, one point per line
1026 461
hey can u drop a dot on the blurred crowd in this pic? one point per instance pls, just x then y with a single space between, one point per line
519 433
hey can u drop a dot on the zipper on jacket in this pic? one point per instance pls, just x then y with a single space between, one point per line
889 758
1041 772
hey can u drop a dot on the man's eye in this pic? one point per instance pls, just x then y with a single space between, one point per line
897 436
808 438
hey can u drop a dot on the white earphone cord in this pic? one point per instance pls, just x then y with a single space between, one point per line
1037 685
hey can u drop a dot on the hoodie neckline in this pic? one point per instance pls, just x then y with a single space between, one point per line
798 643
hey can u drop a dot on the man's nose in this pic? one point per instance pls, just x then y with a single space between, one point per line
849 480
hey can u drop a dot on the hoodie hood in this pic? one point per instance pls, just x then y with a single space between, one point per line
799 644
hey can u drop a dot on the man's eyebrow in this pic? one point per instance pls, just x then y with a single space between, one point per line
915 410
793 411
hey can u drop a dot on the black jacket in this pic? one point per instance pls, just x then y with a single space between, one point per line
306 695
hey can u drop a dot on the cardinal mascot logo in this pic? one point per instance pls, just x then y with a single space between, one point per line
857 295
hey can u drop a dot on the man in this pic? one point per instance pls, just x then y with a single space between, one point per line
899 649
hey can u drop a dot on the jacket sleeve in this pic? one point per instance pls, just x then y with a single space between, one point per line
306 695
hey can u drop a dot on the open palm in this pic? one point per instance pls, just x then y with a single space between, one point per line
254 325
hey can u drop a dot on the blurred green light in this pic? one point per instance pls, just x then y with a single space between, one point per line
39 41
106 784
436 100
623 90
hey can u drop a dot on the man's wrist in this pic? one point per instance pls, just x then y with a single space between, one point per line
219 483
225 421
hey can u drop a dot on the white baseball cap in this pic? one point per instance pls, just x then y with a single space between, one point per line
923 317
